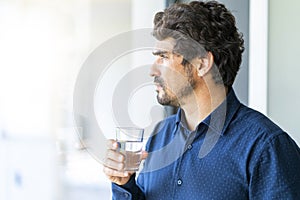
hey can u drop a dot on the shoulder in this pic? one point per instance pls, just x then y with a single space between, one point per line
255 123
255 133
261 136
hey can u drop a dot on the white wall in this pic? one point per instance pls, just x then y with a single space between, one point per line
258 55
43 45
284 67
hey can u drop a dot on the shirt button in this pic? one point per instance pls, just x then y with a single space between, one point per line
126 195
179 182
189 147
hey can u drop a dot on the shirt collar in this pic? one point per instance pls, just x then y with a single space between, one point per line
221 117
178 116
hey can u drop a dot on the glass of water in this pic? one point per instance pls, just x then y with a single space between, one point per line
130 141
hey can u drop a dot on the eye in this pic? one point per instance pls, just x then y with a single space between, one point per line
164 56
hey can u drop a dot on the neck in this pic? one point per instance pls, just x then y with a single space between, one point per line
201 103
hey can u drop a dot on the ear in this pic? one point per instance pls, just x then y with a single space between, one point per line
205 64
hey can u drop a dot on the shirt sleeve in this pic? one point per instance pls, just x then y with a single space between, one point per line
129 191
276 173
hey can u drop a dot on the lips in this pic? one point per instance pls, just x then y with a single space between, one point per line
158 83
158 87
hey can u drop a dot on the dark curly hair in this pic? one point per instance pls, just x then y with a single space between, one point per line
213 28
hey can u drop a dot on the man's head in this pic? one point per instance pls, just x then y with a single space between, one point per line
202 30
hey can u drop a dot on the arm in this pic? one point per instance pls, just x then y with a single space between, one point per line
275 174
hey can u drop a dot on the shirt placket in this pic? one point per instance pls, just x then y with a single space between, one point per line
180 165
189 138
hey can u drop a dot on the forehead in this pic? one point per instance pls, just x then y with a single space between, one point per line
165 45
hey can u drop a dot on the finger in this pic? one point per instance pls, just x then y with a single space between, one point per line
113 165
144 155
115 155
112 144
119 180
110 172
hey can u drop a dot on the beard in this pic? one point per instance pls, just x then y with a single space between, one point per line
170 97
162 96
167 100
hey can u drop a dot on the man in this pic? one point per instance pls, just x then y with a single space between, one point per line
214 147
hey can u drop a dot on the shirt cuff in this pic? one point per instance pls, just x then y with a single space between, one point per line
120 192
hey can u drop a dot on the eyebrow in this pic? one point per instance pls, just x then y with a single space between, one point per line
159 52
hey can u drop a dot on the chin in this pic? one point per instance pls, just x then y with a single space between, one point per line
165 101
162 101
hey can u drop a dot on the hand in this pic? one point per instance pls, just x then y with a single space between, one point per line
113 165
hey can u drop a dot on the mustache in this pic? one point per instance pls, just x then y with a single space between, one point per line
159 81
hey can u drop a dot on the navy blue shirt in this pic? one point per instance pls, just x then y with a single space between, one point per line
235 153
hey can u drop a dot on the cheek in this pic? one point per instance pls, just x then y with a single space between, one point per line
172 82
173 74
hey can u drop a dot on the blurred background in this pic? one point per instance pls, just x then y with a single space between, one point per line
43 44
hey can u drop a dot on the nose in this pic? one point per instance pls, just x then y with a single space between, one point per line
154 70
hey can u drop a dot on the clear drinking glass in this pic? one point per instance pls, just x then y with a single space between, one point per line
130 141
